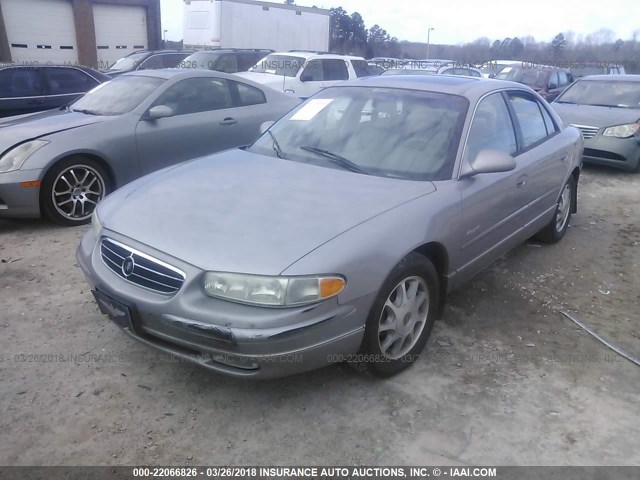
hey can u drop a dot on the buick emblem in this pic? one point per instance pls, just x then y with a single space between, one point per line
128 266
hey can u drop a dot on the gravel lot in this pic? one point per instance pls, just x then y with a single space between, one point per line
505 379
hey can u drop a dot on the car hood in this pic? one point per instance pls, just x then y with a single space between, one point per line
14 130
589 115
268 79
241 212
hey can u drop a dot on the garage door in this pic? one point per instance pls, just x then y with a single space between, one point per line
40 30
120 30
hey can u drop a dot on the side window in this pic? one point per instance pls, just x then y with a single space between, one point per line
361 68
312 72
154 62
227 63
449 71
246 60
474 73
335 69
562 77
249 95
529 117
172 60
195 95
553 80
548 121
20 82
492 128
68 80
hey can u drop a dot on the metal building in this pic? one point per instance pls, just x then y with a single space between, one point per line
95 33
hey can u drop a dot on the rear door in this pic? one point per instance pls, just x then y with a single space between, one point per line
21 91
493 204
64 85
203 123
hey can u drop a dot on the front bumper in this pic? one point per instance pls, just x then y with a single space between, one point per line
16 200
623 153
225 337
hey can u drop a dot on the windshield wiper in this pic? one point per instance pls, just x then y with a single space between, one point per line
337 159
276 146
85 111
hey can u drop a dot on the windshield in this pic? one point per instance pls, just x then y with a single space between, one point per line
117 96
287 65
386 132
206 60
528 76
128 63
603 93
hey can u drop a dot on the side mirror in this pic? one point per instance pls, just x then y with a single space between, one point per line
266 126
160 111
488 161
306 77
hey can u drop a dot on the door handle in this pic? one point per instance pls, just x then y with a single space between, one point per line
228 121
522 181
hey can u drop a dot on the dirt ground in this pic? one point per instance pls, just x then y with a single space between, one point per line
505 379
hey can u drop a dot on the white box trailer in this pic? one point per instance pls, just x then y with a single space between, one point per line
253 24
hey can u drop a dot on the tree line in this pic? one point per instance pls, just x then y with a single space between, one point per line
350 35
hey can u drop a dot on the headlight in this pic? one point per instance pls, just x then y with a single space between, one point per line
622 131
95 223
14 158
272 291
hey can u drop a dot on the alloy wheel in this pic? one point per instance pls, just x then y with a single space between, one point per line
564 208
76 192
403 317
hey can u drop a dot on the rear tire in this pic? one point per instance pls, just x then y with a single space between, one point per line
401 318
559 224
72 188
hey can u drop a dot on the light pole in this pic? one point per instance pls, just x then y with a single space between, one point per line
429 39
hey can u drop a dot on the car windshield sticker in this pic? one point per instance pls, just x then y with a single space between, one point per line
311 109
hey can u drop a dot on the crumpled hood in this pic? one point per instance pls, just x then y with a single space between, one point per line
242 212
14 130
595 116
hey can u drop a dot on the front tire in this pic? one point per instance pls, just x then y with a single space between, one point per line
71 190
402 317
559 224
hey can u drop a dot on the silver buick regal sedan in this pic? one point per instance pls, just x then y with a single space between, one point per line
338 234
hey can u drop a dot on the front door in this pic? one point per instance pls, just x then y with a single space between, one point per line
203 122
493 204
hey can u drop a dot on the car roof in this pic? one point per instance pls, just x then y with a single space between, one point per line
47 65
451 84
612 78
169 73
306 54
151 52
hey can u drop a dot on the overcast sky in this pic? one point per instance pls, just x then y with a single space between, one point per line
460 21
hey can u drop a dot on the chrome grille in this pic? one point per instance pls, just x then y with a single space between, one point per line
139 268
587 131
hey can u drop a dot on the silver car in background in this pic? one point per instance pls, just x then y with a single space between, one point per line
63 162
338 234
606 109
